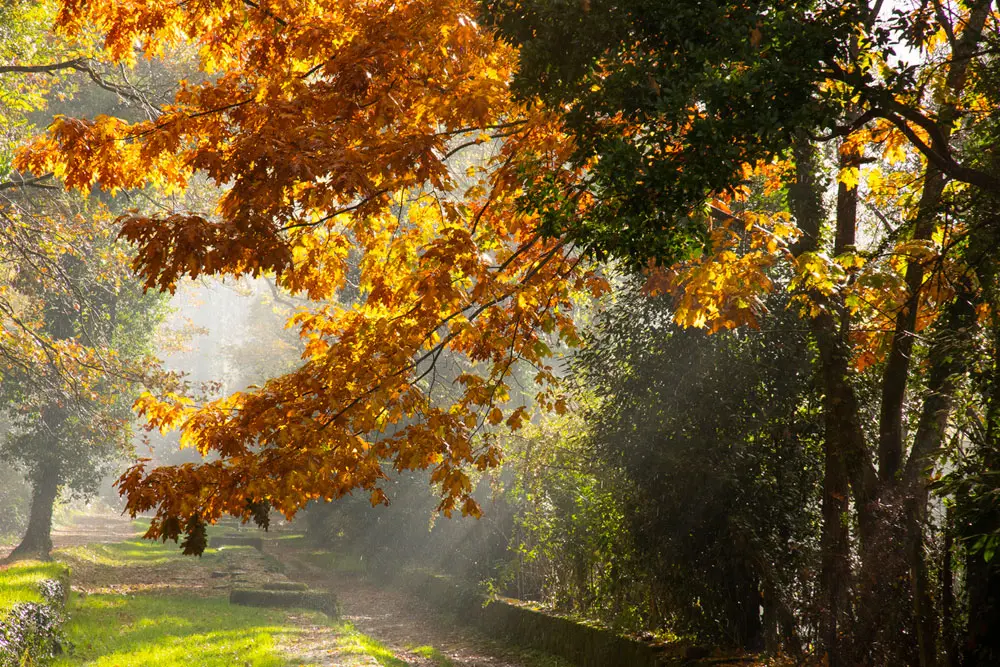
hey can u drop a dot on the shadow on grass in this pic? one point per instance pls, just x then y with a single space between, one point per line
173 631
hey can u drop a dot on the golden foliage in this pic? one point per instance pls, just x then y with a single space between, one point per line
330 126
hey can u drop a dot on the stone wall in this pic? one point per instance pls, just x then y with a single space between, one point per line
579 643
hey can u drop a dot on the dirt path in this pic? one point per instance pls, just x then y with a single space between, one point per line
93 529
411 632
401 621
87 529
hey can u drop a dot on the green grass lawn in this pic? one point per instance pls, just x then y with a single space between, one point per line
19 581
149 605
183 631
173 631
174 627
131 553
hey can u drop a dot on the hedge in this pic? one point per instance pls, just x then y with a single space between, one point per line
35 597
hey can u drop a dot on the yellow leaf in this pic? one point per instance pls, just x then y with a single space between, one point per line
849 176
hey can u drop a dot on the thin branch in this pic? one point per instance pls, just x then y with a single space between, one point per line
37 181
51 68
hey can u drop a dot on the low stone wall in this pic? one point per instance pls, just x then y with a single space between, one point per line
581 644
31 632
236 541
268 597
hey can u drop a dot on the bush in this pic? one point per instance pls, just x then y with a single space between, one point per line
31 632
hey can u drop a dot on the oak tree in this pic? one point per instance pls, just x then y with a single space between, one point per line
332 128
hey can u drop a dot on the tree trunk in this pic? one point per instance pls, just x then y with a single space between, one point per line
836 551
842 430
947 592
37 540
948 360
924 612
902 496
982 644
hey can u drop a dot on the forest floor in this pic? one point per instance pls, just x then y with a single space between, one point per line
138 603
85 528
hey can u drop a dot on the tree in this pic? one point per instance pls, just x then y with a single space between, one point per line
330 125
65 433
74 325
668 102
718 441
686 79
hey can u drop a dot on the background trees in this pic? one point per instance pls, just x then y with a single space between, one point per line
826 159
888 271
75 326
445 261
66 435
721 469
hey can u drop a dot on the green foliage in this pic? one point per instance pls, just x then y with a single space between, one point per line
15 498
718 438
32 597
21 22
81 433
571 546
668 101
681 493
409 532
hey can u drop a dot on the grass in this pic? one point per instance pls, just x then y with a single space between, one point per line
175 627
124 624
173 631
431 653
141 524
291 537
131 553
336 562
183 631
357 643
19 581
160 555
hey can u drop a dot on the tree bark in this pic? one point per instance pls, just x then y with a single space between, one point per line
846 464
982 641
948 360
947 592
835 550
806 202
897 367
37 540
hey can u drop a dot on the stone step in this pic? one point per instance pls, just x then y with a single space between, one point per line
251 597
